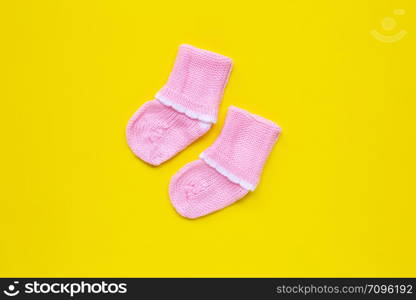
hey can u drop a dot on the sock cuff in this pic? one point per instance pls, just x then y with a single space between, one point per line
242 148
196 84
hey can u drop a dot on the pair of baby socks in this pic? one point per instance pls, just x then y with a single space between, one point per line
184 110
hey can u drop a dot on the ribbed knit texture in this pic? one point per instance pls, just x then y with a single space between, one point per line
243 146
228 169
184 108
196 83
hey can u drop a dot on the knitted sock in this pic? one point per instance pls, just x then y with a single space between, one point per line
228 169
184 109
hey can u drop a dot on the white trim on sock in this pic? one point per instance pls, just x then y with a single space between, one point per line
226 173
186 111
204 125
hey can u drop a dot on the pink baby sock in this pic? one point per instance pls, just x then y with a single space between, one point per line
184 108
228 169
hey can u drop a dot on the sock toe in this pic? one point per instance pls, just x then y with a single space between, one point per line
141 135
156 132
197 190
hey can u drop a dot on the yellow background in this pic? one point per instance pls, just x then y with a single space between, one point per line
337 196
